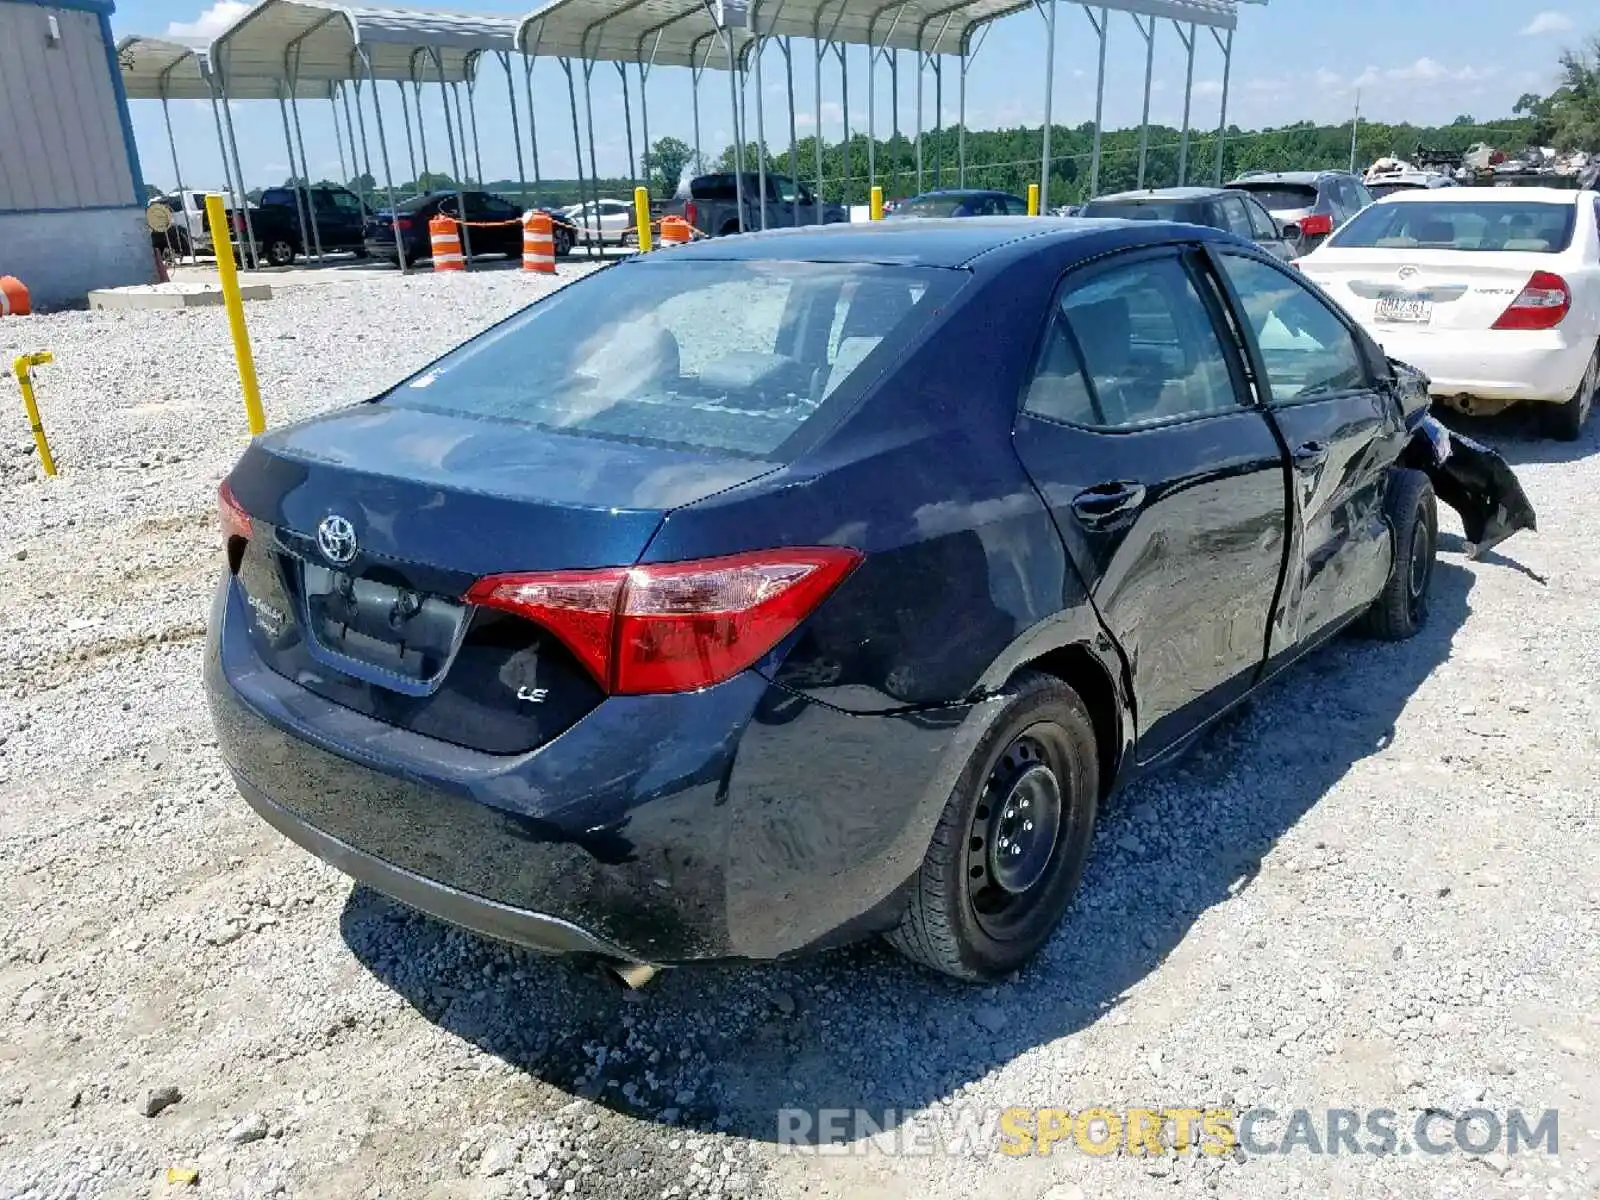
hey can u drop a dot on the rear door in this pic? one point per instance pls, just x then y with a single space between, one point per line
1165 480
1342 432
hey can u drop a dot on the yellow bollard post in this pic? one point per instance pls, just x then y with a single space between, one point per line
222 239
641 217
23 364
876 211
1033 199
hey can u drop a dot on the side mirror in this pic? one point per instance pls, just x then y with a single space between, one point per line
1291 232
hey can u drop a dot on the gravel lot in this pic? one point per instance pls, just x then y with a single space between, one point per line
1377 887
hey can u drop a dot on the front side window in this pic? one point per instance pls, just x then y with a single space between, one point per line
733 357
1132 346
1016 206
1238 221
345 202
1308 351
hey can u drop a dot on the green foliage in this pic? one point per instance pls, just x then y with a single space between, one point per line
664 164
1574 109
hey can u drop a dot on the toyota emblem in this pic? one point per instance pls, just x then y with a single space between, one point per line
336 538
1408 272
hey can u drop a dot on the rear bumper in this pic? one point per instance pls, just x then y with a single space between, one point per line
739 822
1501 366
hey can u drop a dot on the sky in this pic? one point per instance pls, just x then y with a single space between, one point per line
1425 61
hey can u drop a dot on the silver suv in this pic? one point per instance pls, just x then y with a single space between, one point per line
1309 204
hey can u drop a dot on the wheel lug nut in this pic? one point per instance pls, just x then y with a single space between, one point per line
1004 843
1025 803
1027 827
1016 850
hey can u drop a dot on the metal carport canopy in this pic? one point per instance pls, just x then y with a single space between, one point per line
661 33
180 69
944 26
321 39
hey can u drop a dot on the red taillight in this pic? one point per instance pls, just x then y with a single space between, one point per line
691 212
238 222
1543 304
402 223
673 627
1316 225
236 526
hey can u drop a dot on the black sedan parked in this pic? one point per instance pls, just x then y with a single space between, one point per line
960 202
1221 208
495 227
611 632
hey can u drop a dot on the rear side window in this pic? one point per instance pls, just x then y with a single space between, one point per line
1281 197
714 187
1308 351
1534 226
1238 221
275 196
732 357
1130 347
1265 227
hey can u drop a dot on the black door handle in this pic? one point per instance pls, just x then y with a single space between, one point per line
1107 504
1310 455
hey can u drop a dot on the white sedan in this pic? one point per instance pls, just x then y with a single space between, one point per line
1494 293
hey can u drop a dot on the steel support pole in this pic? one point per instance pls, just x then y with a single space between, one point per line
457 169
761 114
961 124
516 126
302 195
1188 41
820 48
627 125
738 131
1222 121
694 99
938 120
844 97
222 148
383 155
894 122
177 171
300 140
920 57
361 125
405 115
422 123
1049 94
350 131
251 257
472 115
1100 28
577 153
794 139
644 126
594 164
338 138
1149 80
533 125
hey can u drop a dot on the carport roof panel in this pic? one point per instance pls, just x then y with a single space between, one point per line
180 68
667 33
319 40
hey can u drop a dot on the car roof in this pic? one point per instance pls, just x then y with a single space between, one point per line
1171 193
959 192
939 242
1463 195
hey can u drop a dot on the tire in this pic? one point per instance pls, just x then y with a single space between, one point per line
1565 422
563 240
361 252
1401 609
280 252
973 915
728 230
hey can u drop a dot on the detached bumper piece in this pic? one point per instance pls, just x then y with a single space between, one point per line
1473 480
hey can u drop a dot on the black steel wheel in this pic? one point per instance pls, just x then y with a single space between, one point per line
1401 609
1010 846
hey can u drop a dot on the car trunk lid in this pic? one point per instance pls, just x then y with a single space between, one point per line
368 528
1425 291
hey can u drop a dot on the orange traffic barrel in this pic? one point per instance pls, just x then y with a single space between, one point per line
445 244
14 301
675 231
538 243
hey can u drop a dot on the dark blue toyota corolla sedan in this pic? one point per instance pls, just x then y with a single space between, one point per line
766 593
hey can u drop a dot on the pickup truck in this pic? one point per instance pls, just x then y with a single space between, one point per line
341 222
710 203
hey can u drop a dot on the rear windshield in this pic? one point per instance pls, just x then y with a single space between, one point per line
700 355
1280 197
1186 211
934 206
1522 225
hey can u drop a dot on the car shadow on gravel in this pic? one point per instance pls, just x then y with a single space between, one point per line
729 1047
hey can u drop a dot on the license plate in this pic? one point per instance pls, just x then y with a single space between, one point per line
1404 310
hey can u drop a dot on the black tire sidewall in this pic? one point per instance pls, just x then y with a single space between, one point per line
1040 699
276 259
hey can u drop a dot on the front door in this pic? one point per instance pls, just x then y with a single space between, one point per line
1166 480
1341 432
